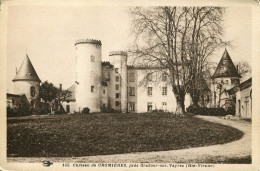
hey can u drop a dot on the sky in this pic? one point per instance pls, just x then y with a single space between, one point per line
47 34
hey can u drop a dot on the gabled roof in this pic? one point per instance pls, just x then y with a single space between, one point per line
226 67
26 72
72 89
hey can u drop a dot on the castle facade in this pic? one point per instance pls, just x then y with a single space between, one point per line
113 86
104 86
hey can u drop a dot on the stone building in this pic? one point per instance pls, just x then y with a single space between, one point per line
225 77
26 86
107 86
242 96
113 86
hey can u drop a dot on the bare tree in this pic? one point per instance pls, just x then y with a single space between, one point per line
243 68
178 39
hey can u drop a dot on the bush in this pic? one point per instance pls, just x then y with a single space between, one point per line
24 111
41 111
10 112
207 111
231 111
85 110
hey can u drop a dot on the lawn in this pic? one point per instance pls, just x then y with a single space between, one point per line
101 134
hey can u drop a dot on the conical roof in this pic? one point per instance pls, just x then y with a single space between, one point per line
226 67
26 72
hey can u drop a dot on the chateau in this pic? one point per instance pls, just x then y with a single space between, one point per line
104 86
113 86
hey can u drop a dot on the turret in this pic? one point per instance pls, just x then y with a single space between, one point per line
26 81
89 74
119 60
225 77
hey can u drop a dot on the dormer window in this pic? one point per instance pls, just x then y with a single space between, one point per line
92 58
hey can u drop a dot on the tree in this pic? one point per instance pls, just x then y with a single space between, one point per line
48 93
53 96
178 39
61 97
243 68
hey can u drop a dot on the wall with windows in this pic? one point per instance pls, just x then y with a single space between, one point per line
154 95
244 100
132 90
118 81
89 76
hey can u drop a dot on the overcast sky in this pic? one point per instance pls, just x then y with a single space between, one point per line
48 35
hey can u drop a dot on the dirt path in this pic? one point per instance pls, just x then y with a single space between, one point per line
210 154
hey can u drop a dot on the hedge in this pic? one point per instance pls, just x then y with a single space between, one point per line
209 111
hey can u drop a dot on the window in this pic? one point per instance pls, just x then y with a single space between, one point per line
150 91
117 95
164 77
131 106
104 91
32 91
117 86
116 70
92 89
132 77
117 78
149 106
164 106
131 91
117 103
92 58
164 91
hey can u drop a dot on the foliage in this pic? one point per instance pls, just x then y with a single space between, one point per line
53 96
23 111
10 112
178 39
112 133
86 110
207 111
48 92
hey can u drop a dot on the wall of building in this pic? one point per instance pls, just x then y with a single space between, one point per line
72 107
17 101
156 99
119 60
227 83
244 103
132 97
88 56
24 87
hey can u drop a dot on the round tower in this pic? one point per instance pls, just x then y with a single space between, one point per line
89 74
27 82
119 60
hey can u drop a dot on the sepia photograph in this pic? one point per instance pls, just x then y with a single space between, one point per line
128 86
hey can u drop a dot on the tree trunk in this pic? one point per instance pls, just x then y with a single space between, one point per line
180 108
195 99
180 98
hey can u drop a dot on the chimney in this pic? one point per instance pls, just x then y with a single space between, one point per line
60 86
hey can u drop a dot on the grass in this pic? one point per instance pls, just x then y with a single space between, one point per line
101 134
